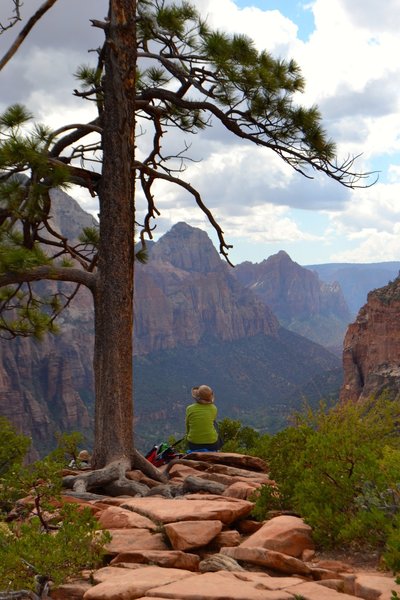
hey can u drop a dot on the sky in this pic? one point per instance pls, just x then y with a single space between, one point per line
348 52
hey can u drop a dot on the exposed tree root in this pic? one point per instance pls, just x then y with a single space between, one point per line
111 480
141 463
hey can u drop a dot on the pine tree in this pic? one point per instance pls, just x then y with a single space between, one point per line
160 67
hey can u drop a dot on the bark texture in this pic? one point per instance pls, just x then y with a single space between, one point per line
113 296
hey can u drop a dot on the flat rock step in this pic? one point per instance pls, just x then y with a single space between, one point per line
206 546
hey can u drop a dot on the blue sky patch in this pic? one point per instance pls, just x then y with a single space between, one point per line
298 12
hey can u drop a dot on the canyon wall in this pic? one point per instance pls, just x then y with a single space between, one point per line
371 351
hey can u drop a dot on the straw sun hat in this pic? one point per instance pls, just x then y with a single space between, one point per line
84 455
203 394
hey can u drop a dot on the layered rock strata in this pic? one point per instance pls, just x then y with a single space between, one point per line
371 349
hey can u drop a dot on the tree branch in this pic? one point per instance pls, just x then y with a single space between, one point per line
223 246
291 155
12 20
49 272
25 31
81 130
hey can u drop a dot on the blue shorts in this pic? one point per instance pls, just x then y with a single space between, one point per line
210 447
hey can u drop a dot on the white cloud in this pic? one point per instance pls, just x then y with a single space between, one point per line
352 71
269 29
394 173
377 208
370 223
373 15
375 246
265 223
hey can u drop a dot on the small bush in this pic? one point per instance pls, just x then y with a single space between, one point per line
42 535
73 544
267 498
238 438
338 468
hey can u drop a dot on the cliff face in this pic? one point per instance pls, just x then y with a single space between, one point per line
186 293
371 351
300 300
47 386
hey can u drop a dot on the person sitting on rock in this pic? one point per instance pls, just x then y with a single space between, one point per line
82 461
201 431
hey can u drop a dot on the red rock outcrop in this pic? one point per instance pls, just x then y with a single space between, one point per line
278 562
371 351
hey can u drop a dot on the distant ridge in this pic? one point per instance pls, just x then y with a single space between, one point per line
358 279
297 296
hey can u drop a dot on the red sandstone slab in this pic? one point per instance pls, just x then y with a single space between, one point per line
116 583
179 470
70 591
185 535
373 585
193 507
317 591
251 463
125 540
285 534
265 581
115 517
241 489
217 586
228 538
276 561
171 558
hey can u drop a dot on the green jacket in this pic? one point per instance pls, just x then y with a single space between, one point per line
200 423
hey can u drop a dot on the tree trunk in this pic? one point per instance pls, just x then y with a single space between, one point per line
113 295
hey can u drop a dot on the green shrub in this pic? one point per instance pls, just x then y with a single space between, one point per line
335 467
267 498
74 543
238 438
391 554
68 446
42 536
283 453
13 447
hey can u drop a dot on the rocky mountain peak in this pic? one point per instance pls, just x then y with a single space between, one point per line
280 257
188 248
68 217
300 300
186 292
291 290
